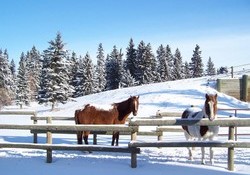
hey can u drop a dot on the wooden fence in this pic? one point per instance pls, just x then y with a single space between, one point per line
227 122
50 128
236 87
133 127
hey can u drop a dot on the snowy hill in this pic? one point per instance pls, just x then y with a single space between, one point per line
168 96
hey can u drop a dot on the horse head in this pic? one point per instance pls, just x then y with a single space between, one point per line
134 104
210 107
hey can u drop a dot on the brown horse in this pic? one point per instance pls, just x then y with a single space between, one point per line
117 113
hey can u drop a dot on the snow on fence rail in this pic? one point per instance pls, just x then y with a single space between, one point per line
134 146
50 128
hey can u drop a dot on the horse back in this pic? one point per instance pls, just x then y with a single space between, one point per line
92 115
194 113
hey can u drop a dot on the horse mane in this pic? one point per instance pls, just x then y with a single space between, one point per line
122 108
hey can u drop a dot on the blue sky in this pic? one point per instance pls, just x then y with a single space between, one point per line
220 27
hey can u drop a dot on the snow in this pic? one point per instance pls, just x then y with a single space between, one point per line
169 96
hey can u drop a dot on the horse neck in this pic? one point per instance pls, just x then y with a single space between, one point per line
123 109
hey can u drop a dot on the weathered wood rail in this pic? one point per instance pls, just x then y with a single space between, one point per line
134 146
49 147
225 122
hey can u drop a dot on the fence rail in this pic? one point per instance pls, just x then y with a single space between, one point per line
133 127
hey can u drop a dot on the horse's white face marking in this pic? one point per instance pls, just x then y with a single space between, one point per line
136 105
211 108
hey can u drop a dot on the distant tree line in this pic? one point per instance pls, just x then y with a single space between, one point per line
56 75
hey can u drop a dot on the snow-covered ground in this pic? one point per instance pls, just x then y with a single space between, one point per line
169 96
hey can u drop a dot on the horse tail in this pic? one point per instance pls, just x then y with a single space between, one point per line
76 116
77 113
185 115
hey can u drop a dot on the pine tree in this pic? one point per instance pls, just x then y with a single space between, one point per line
150 74
100 69
55 81
72 67
127 79
178 67
23 89
162 67
169 59
88 76
186 70
130 63
140 66
13 68
6 77
113 69
210 67
78 79
34 67
196 65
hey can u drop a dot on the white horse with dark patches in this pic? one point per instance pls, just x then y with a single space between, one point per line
202 132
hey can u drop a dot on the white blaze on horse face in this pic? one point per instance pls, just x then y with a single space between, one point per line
211 108
136 107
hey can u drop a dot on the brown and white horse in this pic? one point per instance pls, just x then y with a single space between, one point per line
116 113
202 132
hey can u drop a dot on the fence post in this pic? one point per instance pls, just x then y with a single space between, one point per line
230 157
35 133
49 141
244 88
133 159
94 138
232 72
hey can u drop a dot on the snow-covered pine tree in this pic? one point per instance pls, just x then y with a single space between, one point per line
127 79
13 68
23 93
196 65
169 59
210 67
178 66
72 66
7 87
113 69
150 74
88 75
140 66
162 66
100 69
34 67
130 63
55 81
78 79
186 70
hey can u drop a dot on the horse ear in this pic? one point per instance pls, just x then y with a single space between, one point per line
138 96
216 96
207 96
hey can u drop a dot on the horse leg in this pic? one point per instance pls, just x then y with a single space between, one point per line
117 138
211 153
79 137
203 155
85 137
190 152
113 138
